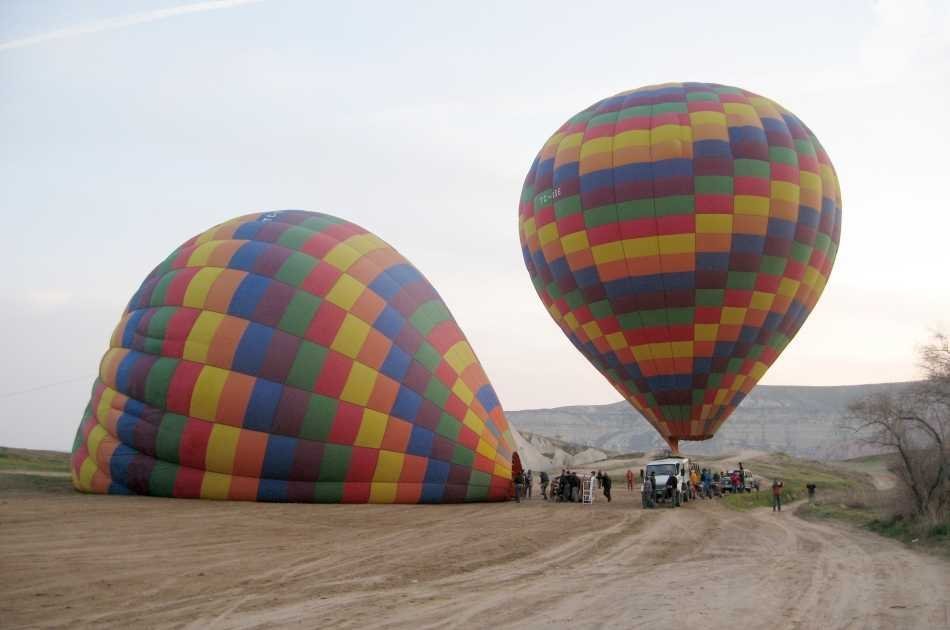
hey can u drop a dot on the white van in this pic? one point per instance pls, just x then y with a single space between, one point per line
676 466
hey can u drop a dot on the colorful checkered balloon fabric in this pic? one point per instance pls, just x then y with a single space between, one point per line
292 356
679 235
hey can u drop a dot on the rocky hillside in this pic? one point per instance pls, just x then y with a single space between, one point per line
543 453
801 421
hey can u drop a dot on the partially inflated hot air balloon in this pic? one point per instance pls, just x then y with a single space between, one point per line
292 356
679 235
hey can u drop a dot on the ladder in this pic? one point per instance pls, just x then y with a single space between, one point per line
587 490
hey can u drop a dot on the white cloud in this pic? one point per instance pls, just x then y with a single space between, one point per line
906 35
48 298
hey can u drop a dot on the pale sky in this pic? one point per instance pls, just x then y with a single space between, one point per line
127 127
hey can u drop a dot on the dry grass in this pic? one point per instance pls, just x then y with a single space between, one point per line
27 459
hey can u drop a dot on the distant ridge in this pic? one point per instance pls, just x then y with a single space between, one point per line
805 421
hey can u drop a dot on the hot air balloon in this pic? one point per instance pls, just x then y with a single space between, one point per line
680 234
292 356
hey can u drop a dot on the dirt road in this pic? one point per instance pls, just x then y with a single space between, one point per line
70 560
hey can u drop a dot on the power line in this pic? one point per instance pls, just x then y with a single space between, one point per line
42 387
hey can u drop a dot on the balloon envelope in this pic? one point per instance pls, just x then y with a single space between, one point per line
292 356
679 235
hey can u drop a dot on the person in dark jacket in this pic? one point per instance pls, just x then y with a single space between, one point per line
671 482
519 485
606 483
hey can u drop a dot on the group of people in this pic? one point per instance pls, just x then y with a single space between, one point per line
566 487
524 481
707 483
649 487
703 483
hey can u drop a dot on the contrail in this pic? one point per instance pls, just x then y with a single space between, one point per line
112 24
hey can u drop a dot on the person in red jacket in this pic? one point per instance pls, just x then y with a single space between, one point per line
777 486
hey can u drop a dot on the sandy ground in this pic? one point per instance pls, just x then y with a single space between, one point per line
71 560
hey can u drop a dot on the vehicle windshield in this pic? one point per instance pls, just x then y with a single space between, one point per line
662 469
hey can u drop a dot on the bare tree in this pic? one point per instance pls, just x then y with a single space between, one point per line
915 424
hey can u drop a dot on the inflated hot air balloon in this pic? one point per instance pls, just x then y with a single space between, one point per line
292 356
679 235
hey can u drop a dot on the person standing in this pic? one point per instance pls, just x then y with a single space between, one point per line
517 472
671 488
777 486
527 484
543 476
519 485
606 482
647 500
630 480
811 493
594 482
